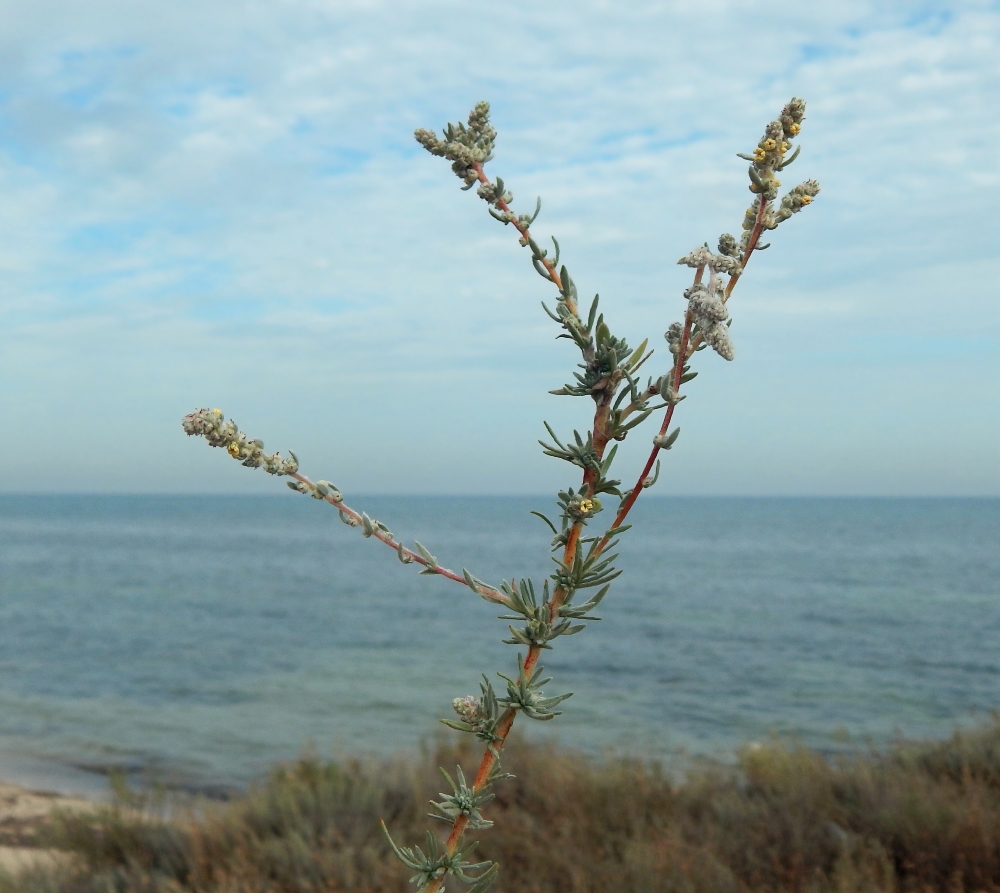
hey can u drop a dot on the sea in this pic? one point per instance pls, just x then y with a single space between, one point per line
198 641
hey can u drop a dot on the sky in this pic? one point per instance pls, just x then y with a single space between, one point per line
221 204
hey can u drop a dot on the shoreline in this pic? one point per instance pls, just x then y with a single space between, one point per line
51 776
24 814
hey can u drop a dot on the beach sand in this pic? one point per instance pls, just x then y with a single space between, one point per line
23 815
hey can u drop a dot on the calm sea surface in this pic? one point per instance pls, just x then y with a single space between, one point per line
202 639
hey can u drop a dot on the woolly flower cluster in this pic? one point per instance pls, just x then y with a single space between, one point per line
706 303
798 197
463 146
770 157
467 708
212 425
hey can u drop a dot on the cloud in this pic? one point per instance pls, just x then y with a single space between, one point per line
222 203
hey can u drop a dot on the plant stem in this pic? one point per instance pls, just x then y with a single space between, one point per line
384 537
678 372
525 234
600 440
683 354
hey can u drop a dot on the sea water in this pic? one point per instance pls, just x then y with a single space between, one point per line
201 639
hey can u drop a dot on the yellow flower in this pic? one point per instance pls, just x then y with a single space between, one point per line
233 449
807 199
769 144
794 128
758 154
586 505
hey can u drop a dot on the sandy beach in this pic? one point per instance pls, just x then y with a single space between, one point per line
23 815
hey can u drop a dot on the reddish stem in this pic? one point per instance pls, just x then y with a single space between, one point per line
415 557
525 234
626 506
490 756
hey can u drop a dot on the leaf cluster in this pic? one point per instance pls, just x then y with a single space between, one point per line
462 801
540 627
437 863
525 695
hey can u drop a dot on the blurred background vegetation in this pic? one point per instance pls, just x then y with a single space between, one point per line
916 817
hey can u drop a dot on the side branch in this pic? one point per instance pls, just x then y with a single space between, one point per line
212 425
525 234
379 532
685 352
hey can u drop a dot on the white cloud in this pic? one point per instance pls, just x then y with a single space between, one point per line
223 203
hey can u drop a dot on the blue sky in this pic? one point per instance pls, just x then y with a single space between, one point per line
221 204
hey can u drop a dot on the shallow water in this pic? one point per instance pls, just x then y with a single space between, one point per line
202 639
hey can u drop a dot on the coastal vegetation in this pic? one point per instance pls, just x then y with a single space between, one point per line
915 817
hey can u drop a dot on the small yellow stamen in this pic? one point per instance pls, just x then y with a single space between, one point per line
807 199
794 128
758 154
784 147
777 182
233 449
769 144
586 505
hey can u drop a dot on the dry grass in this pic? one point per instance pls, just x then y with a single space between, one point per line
918 818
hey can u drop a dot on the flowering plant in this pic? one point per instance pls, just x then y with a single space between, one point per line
609 378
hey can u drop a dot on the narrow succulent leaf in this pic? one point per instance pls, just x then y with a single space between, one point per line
789 159
484 880
549 312
637 354
608 459
430 559
593 313
538 209
404 855
542 271
547 521
638 420
649 481
450 780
